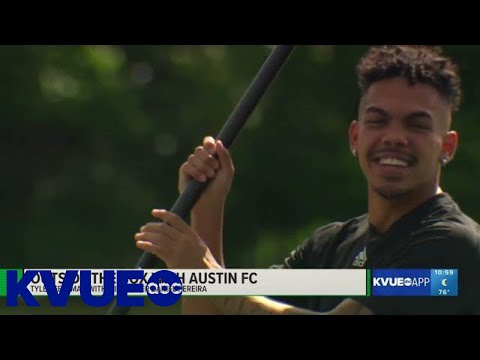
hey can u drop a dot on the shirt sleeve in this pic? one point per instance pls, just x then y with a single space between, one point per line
441 246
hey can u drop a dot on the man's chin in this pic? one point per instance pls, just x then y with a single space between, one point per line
391 193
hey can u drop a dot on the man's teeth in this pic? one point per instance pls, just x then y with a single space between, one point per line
394 162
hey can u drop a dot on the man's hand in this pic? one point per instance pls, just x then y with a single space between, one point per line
203 165
175 242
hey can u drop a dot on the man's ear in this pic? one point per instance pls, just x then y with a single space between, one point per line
353 136
450 144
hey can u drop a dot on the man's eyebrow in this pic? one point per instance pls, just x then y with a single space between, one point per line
418 114
376 110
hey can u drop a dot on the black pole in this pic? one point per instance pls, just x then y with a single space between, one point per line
259 85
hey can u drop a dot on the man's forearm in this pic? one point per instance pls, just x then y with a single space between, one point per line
208 223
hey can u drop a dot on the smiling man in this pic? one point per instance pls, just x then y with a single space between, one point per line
402 139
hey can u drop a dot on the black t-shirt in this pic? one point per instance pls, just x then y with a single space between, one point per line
436 234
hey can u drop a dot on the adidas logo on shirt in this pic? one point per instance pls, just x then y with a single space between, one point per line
361 258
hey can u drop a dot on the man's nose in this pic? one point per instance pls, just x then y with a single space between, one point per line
395 136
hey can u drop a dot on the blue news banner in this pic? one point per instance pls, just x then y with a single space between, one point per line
414 282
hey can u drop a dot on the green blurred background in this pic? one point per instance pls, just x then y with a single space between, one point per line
92 137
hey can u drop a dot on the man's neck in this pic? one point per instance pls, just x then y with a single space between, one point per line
382 213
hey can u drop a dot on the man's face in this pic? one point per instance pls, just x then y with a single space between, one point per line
400 137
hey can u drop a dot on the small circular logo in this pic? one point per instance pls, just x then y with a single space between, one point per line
164 288
407 282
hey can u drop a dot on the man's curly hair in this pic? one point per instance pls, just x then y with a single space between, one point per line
418 64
